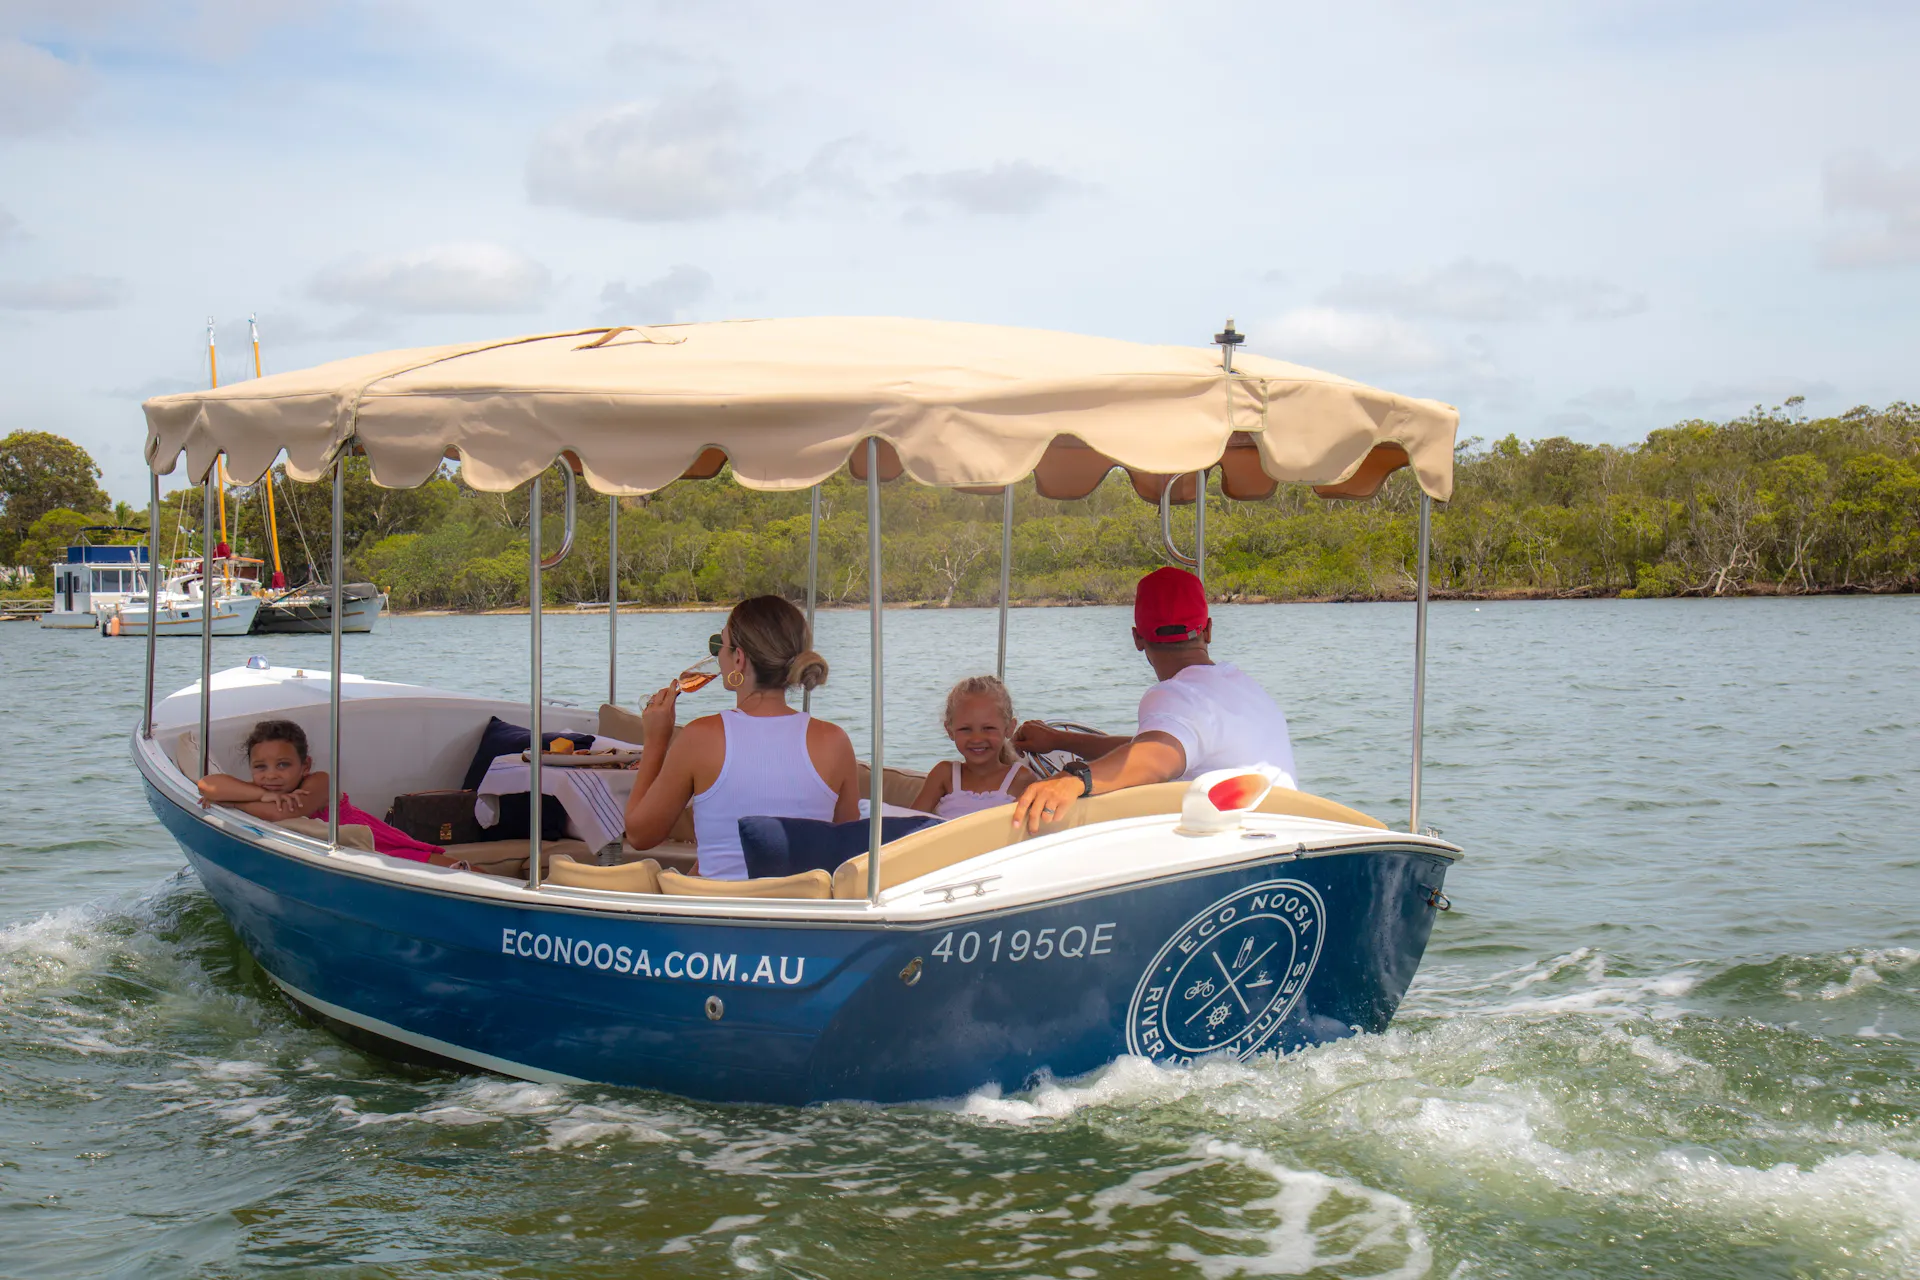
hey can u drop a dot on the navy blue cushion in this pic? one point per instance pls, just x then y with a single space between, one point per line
502 739
788 846
516 819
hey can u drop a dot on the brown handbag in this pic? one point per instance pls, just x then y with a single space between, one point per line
438 817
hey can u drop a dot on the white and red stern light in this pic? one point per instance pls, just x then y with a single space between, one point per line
1220 799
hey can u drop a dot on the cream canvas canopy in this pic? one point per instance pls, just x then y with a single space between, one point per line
788 402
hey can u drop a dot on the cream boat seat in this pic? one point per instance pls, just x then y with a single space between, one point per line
935 848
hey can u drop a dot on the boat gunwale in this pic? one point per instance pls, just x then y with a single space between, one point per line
892 913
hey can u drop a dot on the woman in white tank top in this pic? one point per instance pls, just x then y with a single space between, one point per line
758 758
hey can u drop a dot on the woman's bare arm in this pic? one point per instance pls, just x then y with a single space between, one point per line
666 783
831 752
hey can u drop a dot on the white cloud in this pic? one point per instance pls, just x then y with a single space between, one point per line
833 170
682 159
9 227
466 278
1881 203
1010 188
666 298
650 162
37 90
62 293
1337 340
1476 291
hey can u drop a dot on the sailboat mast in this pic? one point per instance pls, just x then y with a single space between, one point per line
220 478
279 579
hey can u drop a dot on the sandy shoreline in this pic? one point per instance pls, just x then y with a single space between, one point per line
1406 598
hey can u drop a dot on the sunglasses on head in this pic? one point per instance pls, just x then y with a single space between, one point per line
713 644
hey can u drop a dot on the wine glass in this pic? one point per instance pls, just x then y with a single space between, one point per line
699 675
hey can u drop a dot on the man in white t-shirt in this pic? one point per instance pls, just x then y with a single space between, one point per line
1202 715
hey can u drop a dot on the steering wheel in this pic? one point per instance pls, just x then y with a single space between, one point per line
1046 764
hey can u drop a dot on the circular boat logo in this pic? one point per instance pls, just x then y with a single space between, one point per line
1226 981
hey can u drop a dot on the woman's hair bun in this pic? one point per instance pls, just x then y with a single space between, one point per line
809 671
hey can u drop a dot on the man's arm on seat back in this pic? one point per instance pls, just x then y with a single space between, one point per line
1039 738
1137 762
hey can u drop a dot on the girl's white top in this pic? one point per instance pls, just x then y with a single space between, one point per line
766 772
957 802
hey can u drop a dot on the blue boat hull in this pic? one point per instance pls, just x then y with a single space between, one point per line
1257 958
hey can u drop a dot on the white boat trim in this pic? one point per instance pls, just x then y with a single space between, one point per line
413 1039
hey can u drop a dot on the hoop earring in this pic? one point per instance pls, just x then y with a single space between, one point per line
734 679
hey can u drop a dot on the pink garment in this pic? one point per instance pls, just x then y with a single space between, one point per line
391 841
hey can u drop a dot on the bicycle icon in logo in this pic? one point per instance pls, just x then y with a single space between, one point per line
1227 979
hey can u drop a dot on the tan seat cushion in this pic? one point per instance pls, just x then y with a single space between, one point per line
934 848
671 854
501 850
509 857
354 835
808 884
618 722
928 850
899 786
631 877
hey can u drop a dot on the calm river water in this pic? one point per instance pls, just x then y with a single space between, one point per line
1671 1028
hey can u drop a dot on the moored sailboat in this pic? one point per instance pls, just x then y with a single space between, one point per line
179 606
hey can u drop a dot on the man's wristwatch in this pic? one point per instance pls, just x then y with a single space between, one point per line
1083 771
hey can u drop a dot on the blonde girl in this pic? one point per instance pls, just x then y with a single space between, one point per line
980 721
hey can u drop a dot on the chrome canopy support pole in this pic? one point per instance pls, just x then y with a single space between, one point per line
536 742
1006 573
1420 660
1174 554
613 599
338 608
1228 339
813 579
1200 526
877 776
153 594
206 610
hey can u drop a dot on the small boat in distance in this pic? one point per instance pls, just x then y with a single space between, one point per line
182 597
308 609
95 579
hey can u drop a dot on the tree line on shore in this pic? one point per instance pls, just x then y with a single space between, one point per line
1769 502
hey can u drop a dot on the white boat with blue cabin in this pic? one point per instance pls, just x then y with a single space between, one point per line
1222 917
95 578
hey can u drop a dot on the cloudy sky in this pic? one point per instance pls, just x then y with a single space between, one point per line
1579 219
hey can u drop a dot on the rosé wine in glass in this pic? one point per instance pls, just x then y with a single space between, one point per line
699 675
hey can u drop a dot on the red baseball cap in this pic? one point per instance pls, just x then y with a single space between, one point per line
1169 606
